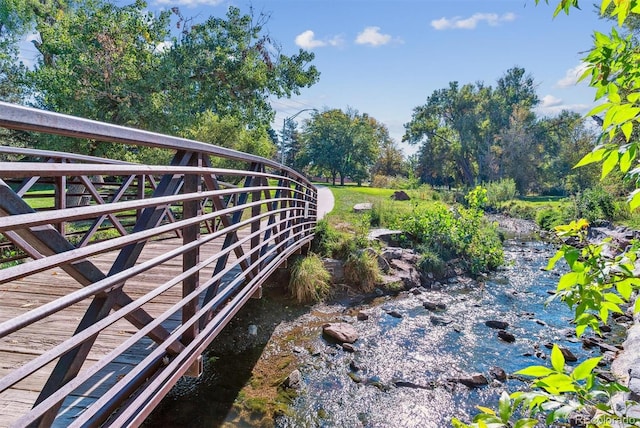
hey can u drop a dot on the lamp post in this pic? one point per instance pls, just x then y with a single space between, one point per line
284 127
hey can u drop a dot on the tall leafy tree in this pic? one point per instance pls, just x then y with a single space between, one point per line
125 65
450 119
341 144
231 66
391 159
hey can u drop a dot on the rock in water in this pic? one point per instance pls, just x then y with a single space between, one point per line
506 336
473 381
498 325
294 380
498 373
340 332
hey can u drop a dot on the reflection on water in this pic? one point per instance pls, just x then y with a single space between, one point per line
403 363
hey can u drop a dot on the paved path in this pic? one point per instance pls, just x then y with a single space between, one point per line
325 201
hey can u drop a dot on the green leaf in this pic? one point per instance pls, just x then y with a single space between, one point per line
634 200
625 288
604 314
636 306
568 280
609 163
535 371
613 298
526 423
591 157
603 6
556 383
627 129
504 407
584 369
557 359
626 158
553 260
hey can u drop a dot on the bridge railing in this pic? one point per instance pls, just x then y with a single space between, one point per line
105 260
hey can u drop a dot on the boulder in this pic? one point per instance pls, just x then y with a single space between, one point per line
433 306
498 373
365 206
294 380
335 268
498 325
340 332
475 380
435 320
400 195
506 336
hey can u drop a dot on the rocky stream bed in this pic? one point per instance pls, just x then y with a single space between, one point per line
415 358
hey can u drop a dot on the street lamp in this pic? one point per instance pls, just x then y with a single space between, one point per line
284 127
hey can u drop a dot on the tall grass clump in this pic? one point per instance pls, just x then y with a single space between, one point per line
329 242
310 281
361 269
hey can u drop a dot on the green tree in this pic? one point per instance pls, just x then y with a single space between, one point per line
232 67
125 65
391 160
343 144
231 133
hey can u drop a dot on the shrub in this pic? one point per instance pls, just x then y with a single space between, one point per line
499 192
361 269
460 233
310 281
549 218
596 203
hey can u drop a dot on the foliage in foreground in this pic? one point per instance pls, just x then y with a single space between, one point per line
310 281
594 287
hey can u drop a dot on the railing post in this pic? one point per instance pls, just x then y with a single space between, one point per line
190 209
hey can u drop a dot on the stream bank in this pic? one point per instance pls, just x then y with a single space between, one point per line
405 369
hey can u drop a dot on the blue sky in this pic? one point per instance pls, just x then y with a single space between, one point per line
386 57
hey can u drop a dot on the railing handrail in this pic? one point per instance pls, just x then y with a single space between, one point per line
24 118
157 257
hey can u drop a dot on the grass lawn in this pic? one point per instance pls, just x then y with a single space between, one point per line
343 217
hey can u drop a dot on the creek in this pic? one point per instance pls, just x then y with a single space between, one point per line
405 357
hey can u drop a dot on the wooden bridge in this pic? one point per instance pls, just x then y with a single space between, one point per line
115 276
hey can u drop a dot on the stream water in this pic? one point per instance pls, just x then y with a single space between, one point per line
397 377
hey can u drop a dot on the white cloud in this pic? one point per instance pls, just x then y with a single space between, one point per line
551 105
460 23
307 40
550 101
571 76
190 3
372 36
163 46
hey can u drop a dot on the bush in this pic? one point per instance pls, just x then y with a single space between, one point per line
499 192
549 218
361 269
310 281
449 234
596 204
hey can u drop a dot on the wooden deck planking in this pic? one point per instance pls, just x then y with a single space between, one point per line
18 348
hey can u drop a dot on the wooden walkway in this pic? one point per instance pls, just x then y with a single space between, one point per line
17 349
